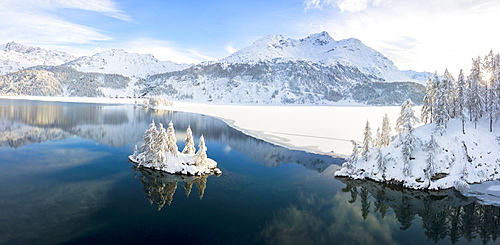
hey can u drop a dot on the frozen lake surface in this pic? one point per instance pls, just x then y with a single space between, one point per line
65 178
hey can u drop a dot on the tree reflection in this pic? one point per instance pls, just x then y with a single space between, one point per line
160 187
444 214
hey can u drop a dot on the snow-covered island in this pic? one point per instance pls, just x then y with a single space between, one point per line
160 152
459 146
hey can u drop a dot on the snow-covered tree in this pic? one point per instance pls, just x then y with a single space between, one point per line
189 147
443 101
406 118
475 99
460 104
429 100
377 143
432 148
171 140
405 125
161 146
385 136
367 141
149 146
201 156
380 161
355 152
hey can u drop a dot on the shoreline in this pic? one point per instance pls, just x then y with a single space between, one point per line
325 130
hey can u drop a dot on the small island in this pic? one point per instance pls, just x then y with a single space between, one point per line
160 152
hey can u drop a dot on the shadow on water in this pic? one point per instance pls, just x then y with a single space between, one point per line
444 215
160 187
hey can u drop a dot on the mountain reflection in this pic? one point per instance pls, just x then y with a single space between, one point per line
445 214
160 187
28 122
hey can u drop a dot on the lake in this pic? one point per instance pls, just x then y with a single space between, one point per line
65 179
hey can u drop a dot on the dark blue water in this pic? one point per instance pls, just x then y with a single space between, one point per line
65 179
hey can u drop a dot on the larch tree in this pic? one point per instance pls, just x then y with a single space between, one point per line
200 157
171 140
442 107
367 141
377 143
189 147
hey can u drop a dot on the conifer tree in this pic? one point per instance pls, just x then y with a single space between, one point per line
429 100
475 99
406 118
385 138
405 125
367 141
432 148
189 147
201 156
377 143
161 145
149 147
171 140
461 85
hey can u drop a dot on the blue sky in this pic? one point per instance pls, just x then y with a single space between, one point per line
420 35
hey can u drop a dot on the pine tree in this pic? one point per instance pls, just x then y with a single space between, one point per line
149 147
162 146
189 147
367 141
461 99
200 157
406 118
385 138
475 99
405 125
442 103
432 148
171 140
429 100
377 143
380 161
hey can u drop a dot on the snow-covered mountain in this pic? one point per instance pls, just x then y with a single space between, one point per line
15 57
321 48
273 70
118 61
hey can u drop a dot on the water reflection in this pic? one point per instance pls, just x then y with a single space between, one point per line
28 122
445 215
160 187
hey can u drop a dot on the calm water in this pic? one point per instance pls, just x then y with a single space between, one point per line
65 178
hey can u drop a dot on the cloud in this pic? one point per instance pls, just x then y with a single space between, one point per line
419 35
229 48
36 21
163 50
343 5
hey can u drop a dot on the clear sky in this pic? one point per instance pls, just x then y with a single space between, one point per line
422 35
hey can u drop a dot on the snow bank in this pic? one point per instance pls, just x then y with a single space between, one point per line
459 159
488 192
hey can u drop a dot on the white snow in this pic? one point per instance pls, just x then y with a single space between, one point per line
321 48
487 192
118 61
461 159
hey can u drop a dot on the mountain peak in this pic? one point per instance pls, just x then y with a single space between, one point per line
318 39
17 47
